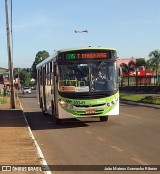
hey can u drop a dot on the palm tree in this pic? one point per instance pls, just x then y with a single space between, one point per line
154 61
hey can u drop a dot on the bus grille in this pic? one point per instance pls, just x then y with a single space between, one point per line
86 106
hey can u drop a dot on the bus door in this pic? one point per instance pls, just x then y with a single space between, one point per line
55 93
39 82
44 89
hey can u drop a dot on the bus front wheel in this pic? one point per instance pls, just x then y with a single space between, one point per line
103 118
57 120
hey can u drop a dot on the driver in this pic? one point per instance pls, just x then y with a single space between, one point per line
99 76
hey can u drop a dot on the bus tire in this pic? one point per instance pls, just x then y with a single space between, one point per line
103 118
53 109
57 121
43 113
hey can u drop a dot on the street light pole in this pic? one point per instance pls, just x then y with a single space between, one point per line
10 63
81 31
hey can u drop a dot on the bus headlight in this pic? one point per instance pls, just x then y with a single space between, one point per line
65 104
61 102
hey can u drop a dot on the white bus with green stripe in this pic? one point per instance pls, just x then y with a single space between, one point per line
68 85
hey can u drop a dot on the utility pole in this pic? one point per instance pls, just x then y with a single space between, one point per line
10 63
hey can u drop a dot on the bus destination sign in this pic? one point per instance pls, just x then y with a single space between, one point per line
93 55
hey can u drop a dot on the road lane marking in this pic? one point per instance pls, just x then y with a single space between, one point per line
88 132
130 115
117 148
101 139
139 161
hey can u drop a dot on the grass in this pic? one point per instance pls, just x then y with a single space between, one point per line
123 96
140 98
2 99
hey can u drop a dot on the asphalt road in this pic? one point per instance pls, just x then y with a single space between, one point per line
132 138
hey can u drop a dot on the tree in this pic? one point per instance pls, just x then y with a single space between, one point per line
154 61
149 64
131 65
16 72
25 78
40 56
124 67
140 62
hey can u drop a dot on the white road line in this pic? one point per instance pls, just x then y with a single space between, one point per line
39 152
117 148
101 139
130 115
88 132
139 161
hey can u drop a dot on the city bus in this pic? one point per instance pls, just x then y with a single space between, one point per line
68 86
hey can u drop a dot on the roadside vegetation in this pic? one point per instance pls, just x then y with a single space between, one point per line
150 99
2 99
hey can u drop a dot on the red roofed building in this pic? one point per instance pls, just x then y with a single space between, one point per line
125 61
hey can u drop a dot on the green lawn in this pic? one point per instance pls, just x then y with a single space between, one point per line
2 100
140 98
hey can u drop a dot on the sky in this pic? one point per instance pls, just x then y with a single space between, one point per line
132 27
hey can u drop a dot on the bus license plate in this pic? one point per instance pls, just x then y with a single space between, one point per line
90 111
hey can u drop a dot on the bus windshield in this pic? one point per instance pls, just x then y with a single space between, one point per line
98 76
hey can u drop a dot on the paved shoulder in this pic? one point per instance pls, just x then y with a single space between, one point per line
16 147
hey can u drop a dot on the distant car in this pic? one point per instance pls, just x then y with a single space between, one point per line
26 90
33 87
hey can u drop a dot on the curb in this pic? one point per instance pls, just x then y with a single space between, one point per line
39 152
141 104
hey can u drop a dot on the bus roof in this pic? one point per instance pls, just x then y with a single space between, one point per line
72 49
85 48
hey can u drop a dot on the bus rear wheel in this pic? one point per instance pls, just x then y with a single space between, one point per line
103 118
42 107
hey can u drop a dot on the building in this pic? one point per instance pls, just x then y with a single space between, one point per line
125 61
4 78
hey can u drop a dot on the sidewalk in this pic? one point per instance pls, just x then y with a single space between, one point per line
16 145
